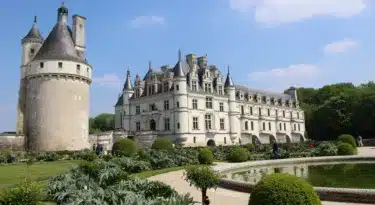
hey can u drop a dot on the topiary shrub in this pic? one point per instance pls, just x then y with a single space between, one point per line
346 149
162 143
345 138
285 189
124 148
205 156
325 149
238 154
250 147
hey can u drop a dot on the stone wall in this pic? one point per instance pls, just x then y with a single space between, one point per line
12 141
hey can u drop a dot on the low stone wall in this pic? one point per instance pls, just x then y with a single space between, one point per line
325 193
12 142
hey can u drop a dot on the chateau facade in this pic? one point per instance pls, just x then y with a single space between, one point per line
192 104
53 105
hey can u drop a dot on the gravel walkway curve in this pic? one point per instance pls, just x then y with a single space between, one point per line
222 196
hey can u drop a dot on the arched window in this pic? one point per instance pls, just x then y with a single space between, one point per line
246 125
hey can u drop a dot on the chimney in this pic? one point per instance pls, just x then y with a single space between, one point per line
202 61
79 32
191 60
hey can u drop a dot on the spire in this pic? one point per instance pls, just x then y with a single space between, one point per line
128 84
228 80
149 65
62 13
34 33
178 70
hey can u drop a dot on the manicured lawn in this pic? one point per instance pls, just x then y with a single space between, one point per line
13 173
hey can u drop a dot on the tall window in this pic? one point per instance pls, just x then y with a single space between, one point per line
194 139
208 102
207 87
284 126
208 121
221 105
242 110
252 125
166 124
195 123
260 111
251 110
166 87
78 68
294 127
268 112
264 126
283 113
277 113
280 128
138 126
177 87
137 93
137 110
222 127
166 104
225 140
41 64
246 125
297 115
177 104
269 126
195 104
299 127
220 90
194 86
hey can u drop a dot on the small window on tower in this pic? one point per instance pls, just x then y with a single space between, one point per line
41 65
32 51
78 68
60 64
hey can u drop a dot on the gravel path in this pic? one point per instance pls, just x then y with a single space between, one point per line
222 196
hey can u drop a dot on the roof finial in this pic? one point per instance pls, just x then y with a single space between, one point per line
62 3
128 72
179 54
35 19
149 65
228 69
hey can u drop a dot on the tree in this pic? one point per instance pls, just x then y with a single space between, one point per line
203 178
101 123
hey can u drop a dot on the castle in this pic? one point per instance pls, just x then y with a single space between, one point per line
191 104
53 105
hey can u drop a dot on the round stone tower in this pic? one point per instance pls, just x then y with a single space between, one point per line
57 82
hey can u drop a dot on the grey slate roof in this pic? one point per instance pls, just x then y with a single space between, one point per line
262 92
120 100
34 32
128 83
178 70
59 45
228 81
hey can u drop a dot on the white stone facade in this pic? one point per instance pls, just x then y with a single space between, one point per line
53 108
198 108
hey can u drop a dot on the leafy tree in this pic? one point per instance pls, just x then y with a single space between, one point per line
203 178
101 123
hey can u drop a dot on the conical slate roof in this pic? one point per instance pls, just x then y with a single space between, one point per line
228 80
178 69
34 33
128 83
59 45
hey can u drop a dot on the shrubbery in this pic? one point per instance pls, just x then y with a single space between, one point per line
325 149
345 138
283 189
25 193
238 154
205 156
250 147
162 143
346 149
124 148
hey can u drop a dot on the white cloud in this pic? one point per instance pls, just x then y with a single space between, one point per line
147 21
278 79
287 11
111 80
340 46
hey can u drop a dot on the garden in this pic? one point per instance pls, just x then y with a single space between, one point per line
119 178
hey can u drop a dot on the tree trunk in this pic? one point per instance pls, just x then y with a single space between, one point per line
204 195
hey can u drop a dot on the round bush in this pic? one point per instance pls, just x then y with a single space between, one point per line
124 148
346 149
347 139
250 147
205 156
162 143
325 149
283 189
238 154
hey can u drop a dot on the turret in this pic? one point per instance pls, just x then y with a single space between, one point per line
31 43
233 119
127 94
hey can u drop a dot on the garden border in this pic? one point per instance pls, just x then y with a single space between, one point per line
325 193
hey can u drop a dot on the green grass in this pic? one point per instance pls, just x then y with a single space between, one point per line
13 173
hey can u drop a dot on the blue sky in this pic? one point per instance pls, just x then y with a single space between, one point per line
269 44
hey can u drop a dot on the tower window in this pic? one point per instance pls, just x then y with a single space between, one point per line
32 51
78 68
41 65
60 64
177 87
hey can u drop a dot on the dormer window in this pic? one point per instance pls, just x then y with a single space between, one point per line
41 65
60 64
207 87
220 90
194 86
